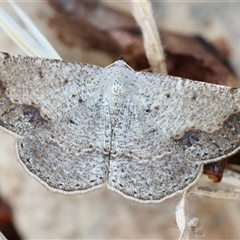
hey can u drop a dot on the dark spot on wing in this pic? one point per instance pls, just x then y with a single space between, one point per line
32 112
2 88
233 90
194 97
6 56
189 138
40 73
152 130
18 117
65 81
212 144
71 121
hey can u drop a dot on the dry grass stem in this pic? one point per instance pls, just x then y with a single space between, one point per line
33 44
142 12
182 218
2 237
228 189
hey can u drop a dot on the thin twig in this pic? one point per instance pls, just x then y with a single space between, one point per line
143 14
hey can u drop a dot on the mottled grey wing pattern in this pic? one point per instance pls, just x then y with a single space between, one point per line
57 110
167 128
147 136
